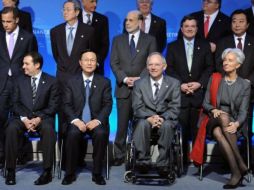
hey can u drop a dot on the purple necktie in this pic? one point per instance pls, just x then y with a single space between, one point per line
11 44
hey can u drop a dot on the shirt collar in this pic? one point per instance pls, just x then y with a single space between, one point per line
16 31
243 37
213 15
74 25
136 34
159 81
86 77
38 76
187 41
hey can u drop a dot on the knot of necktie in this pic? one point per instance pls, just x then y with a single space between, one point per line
89 22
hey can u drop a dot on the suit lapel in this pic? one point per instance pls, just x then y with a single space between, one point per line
95 19
183 54
28 88
163 89
248 46
62 35
196 53
20 39
215 24
77 40
4 45
40 88
152 25
148 89
126 45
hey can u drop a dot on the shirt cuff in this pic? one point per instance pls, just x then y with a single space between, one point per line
125 80
22 118
76 119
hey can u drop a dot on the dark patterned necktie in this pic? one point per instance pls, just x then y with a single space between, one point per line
239 44
33 88
89 22
156 84
70 41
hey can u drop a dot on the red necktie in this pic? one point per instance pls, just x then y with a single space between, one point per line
206 26
240 45
143 24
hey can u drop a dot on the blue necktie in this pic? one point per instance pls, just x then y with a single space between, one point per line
86 115
70 41
132 46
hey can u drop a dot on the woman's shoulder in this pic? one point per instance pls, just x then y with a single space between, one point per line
244 82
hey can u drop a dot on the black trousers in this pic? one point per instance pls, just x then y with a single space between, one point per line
5 106
73 144
188 119
15 131
124 116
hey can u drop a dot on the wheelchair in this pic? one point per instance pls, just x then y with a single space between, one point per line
175 153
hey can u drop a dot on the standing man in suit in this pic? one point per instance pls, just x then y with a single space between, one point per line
87 104
250 13
35 101
156 106
152 24
128 62
239 39
25 21
99 22
212 23
190 61
68 40
15 43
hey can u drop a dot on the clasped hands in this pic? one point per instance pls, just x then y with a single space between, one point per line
86 126
32 124
130 81
232 126
155 121
190 88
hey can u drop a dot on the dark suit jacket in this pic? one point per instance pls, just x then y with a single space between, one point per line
167 104
158 30
46 101
100 99
239 99
69 65
220 28
246 70
250 15
202 67
101 34
124 65
25 43
25 21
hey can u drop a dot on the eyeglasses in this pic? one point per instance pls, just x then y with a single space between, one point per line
67 10
209 1
144 1
89 60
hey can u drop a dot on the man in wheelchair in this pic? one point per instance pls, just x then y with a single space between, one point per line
156 106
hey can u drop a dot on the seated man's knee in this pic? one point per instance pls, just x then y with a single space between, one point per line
100 132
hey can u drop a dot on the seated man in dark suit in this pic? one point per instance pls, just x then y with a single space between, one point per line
25 20
87 104
156 105
35 102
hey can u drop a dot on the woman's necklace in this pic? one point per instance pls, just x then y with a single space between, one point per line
230 82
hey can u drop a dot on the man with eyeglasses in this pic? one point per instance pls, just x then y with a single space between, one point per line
212 23
87 104
99 22
68 40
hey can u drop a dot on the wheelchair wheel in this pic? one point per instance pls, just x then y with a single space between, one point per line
178 161
129 177
171 177
128 158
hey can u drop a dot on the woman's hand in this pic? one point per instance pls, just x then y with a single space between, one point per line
216 113
232 127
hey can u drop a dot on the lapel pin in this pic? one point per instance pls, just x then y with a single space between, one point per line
94 86
166 86
21 38
82 36
96 20
249 44
198 48
155 21
137 50
219 20
43 82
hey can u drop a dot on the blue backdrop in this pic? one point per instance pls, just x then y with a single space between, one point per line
47 13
